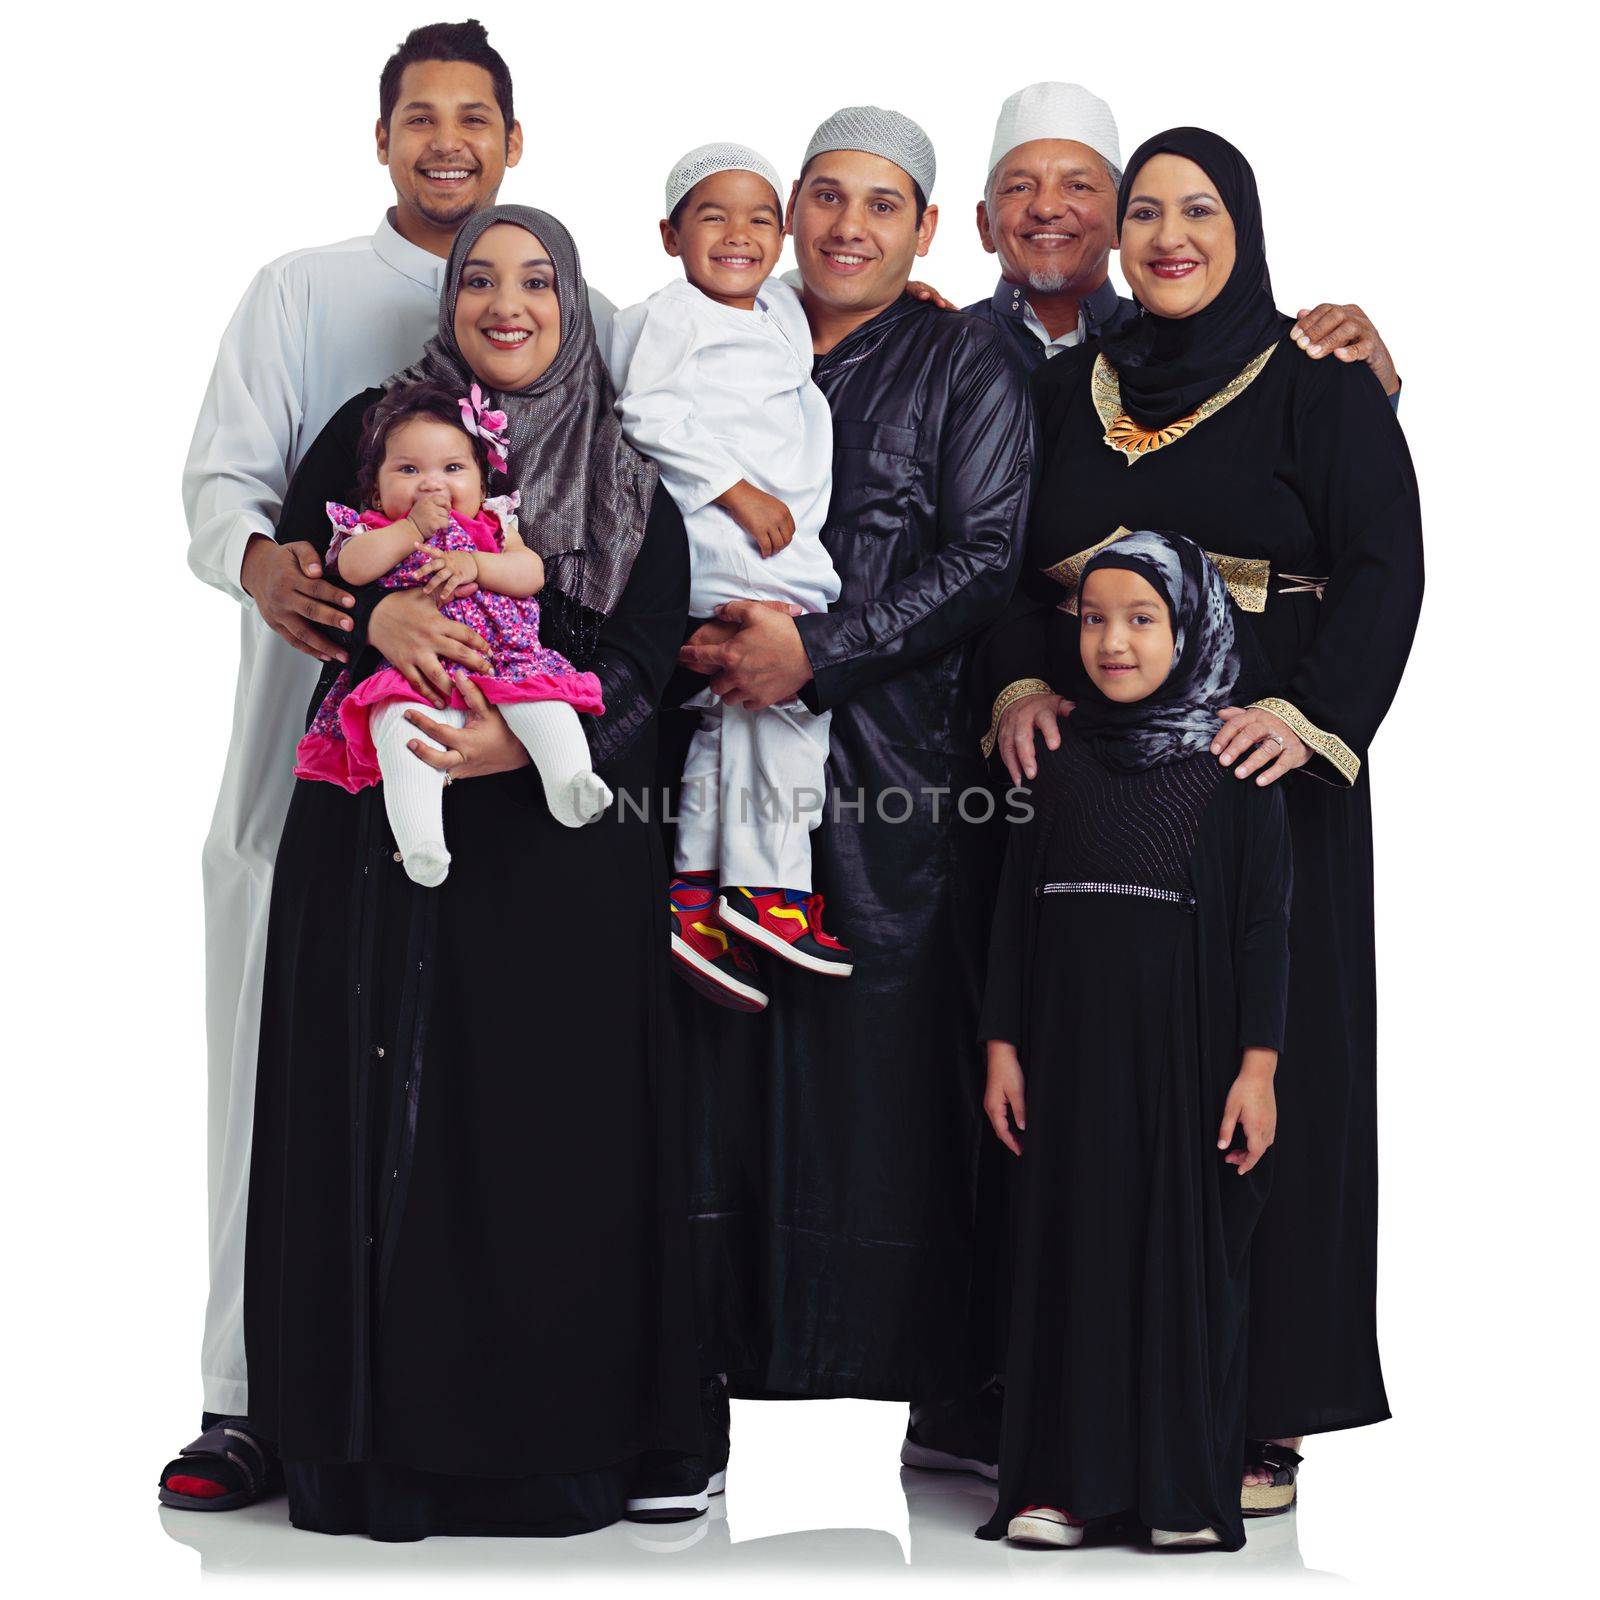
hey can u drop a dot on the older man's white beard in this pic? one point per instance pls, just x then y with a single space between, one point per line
1048 282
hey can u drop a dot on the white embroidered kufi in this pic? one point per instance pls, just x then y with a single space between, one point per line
1055 111
701 163
880 133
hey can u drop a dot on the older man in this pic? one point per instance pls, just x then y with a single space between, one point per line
837 1138
1049 211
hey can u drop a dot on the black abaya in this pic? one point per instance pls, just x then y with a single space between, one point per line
467 1288
1131 994
1305 474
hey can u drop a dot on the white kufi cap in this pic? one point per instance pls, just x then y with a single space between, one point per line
1055 111
880 133
688 170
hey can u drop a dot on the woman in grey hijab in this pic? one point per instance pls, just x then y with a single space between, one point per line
585 491
467 1283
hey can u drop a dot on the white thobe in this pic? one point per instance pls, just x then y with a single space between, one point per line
714 394
314 328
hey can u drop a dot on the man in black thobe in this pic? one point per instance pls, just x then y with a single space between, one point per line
836 1137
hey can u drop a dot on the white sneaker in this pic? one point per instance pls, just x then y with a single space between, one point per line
1200 1539
1045 1525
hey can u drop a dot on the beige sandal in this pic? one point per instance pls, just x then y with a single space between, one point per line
1274 1498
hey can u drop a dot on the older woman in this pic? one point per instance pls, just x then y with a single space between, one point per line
466 1291
1202 417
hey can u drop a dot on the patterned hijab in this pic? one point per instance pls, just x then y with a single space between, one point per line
1169 365
585 491
1181 718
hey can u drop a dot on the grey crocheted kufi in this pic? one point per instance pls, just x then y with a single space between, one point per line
880 133
701 163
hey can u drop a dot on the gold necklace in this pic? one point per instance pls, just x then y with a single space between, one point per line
1124 434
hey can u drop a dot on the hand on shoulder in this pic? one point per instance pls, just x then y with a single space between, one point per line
1348 335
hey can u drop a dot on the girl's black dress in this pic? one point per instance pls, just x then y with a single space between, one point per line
1140 945
467 1297
1301 486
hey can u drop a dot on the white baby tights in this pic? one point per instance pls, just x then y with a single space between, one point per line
413 792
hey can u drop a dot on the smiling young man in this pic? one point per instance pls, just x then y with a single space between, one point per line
313 328
837 1140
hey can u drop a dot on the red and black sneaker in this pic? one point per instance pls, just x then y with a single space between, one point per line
788 922
703 954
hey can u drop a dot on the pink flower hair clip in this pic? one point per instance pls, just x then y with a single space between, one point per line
490 426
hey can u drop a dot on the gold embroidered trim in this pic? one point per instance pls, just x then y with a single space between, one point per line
1003 701
1247 577
1329 746
1124 434
1069 573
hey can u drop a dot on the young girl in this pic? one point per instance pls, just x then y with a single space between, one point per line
426 455
1133 1017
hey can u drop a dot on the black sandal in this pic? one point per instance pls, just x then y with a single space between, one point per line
225 1468
1274 1498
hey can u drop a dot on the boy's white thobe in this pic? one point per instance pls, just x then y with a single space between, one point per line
714 394
313 329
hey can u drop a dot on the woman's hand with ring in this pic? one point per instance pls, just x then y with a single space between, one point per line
485 745
1269 746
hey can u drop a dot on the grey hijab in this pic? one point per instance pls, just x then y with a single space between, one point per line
1181 718
585 491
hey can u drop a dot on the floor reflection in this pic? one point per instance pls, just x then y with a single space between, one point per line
943 1511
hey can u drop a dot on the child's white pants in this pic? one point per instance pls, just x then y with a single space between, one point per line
753 789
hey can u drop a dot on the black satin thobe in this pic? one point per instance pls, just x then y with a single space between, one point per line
835 1138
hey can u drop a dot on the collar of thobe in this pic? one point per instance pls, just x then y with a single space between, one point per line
1094 312
409 260
858 344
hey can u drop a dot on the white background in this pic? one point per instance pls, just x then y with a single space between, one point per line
1410 158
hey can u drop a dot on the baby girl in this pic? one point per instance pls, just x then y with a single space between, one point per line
426 457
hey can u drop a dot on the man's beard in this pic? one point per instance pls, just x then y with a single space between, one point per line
1052 281
448 216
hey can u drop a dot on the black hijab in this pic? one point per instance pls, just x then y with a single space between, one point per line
1182 717
1168 366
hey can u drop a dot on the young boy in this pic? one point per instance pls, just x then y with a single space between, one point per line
713 379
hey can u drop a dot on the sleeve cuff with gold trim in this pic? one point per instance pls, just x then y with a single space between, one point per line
1007 698
1329 746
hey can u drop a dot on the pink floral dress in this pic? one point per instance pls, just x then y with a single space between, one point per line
338 748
